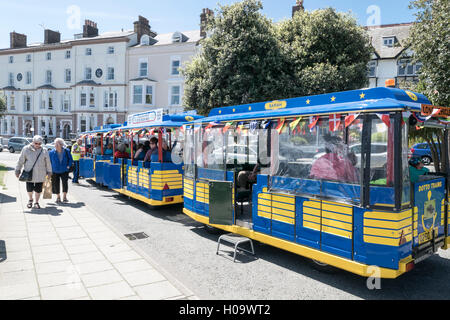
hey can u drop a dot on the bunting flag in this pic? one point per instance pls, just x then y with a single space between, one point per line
385 118
280 125
350 118
182 129
334 122
265 124
419 117
211 124
239 127
293 125
312 122
227 126
253 126
433 113
444 121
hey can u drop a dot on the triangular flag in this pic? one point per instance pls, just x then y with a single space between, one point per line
350 118
313 122
335 121
239 127
265 124
385 118
280 125
227 126
294 123
433 113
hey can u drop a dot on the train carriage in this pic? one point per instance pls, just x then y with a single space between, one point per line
157 182
325 177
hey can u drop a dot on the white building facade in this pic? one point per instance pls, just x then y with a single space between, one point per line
58 88
392 59
154 77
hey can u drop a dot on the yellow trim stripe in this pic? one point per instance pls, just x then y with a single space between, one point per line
336 261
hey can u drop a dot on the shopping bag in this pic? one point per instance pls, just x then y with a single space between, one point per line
48 188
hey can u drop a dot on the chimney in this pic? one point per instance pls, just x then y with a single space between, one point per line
298 7
51 36
204 17
17 40
142 27
90 29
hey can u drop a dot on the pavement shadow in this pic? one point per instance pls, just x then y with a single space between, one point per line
3 255
49 210
4 198
426 281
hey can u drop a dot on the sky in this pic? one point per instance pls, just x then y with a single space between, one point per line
31 17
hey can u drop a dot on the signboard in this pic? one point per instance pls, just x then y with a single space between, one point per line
427 109
429 197
145 118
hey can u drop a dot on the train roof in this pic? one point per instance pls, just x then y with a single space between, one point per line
363 100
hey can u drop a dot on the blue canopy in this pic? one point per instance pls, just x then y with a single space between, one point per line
364 100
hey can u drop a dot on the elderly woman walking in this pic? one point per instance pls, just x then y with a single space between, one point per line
61 160
34 158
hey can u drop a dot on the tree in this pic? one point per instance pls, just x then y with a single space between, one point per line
430 41
249 59
325 52
2 105
241 62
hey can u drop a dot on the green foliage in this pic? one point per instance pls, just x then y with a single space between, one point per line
249 59
325 52
2 105
429 39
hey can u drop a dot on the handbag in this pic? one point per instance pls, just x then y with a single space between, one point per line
27 176
48 188
72 167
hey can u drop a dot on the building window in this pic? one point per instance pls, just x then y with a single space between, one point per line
88 51
27 103
28 58
372 68
175 95
143 69
68 76
177 37
137 94
407 68
66 105
11 79
28 80
110 99
12 102
110 75
48 77
175 71
91 100
11 59
68 54
83 100
82 124
49 56
43 103
388 41
88 74
110 50
50 103
149 95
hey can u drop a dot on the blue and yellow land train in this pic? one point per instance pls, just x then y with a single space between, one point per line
325 177
156 183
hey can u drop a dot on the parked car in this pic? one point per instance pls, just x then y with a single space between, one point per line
422 150
17 143
49 146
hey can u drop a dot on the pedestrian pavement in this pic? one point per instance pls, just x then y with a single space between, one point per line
68 252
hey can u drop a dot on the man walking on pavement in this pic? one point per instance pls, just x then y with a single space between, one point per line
76 154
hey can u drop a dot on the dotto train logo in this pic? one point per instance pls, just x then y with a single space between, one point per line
411 95
275 105
189 118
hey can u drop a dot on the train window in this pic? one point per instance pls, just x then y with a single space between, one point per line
189 152
381 169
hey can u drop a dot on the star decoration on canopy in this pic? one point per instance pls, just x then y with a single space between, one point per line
333 99
362 95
